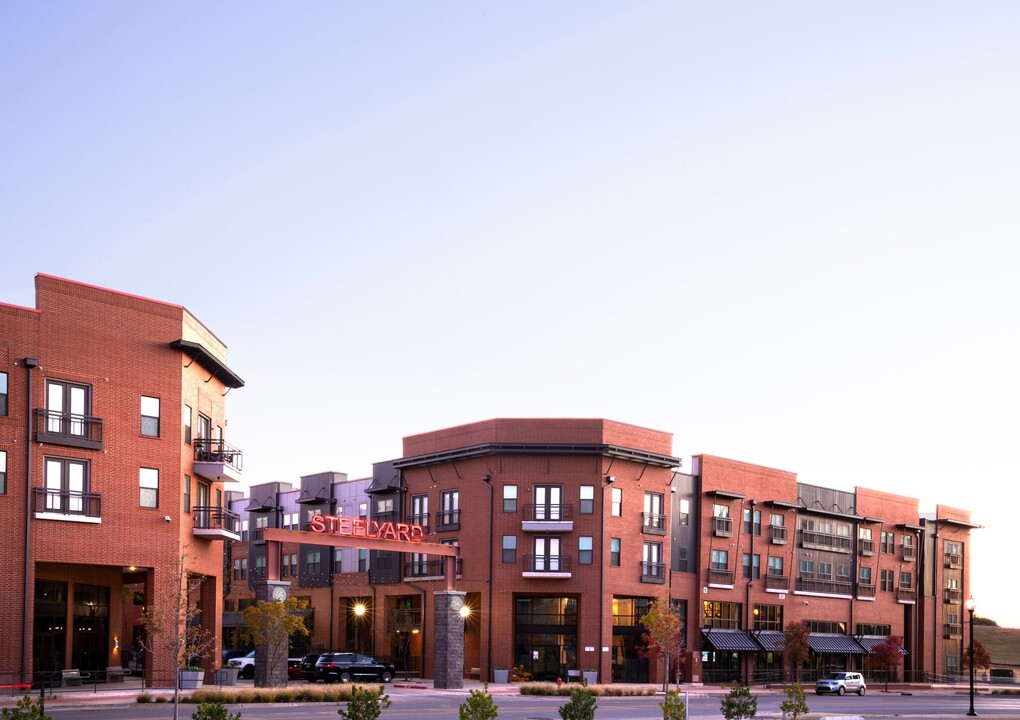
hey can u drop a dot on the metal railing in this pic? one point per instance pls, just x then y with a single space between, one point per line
866 547
434 568
828 587
653 571
777 534
218 451
448 520
653 523
547 563
60 428
825 541
547 513
216 518
722 526
67 502
777 582
720 576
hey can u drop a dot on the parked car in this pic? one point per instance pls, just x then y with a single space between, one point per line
245 665
293 668
351 667
841 683
308 665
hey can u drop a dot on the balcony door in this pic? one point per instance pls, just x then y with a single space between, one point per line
67 407
65 485
548 502
547 554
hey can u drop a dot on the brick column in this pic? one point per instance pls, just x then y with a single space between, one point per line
449 640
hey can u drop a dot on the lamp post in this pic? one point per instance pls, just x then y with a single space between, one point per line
970 609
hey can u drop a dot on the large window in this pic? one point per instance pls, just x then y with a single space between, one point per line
449 510
67 408
3 472
148 487
313 562
548 502
722 615
510 549
150 416
420 510
3 393
66 485
768 617
775 565
720 559
886 580
547 555
651 561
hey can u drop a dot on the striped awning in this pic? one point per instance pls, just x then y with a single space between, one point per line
868 642
730 640
770 640
835 643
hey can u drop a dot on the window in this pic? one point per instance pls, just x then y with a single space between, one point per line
509 498
67 408
584 549
547 554
614 552
653 519
363 510
825 571
244 568
420 510
724 615
362 560
616 502
752 521
3 393
244 529
186 494
720 559
752 566
807 568
906 580
651 560
338 560
888 542
186 422
548 502
768 617
842 572
510 549
237 569
313 562
775 566
150 416
777 520
449 510
204 427
66 485
285 565
720 510
865 576
587 505
3 472
148 487
685 511
886 580
864 533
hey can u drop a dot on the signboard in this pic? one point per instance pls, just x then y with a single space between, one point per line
368 529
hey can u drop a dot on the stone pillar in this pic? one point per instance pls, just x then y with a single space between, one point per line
276 676
449 640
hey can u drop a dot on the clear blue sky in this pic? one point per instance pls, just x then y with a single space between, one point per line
786 232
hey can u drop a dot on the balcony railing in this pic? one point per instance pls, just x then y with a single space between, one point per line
420 520
216 522
257 573
403 619
720 576
216 457
952 595
547 513
909 553
954 561
906 595
952 630
825 541
653 524
432 568
257 537
59 428
653 572
865 590
777 582
54 504
777 534
722 526
447 520
866 547
827 587
538 565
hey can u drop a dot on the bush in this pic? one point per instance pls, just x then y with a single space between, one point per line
26 709
214 711
582 705
364 705
479 705
673 707
795 704
739 703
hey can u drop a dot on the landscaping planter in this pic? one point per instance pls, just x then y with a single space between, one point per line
501 676
190 679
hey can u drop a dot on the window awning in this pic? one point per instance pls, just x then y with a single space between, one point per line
730 640
835 643
868 642
770 640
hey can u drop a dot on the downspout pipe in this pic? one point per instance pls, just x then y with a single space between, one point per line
487 479
26 637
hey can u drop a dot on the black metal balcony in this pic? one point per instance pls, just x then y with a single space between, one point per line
827 587
909 553
777 534
952 630
54 504
866 547
722 526
68 429
777 582
825 541
653 572
434 568
953 561
551 565
217 460
653 523
865 590
421 520
447 520
720 576
216 523
906 595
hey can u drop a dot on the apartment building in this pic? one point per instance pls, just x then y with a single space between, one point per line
113 464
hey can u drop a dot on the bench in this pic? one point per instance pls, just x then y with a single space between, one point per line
114 673
70 678
474 673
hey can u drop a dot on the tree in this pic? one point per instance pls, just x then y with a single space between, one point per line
271 623
582 705
982 660
365 704
795 646
26 709
673 707
888 655
663 636
174 627
795 704
739 703
479 705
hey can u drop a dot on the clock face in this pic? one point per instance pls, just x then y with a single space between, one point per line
279 594
456 602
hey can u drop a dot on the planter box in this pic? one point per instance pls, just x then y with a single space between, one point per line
591 677
225 676
190 679
501 676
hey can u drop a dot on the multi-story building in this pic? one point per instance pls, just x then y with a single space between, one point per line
113 461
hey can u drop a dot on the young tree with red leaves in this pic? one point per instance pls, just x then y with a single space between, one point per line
663 636
888 655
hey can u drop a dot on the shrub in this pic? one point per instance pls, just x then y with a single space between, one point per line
673 707
479 705
795 704
739 703
26 709
214 711
582 705
364 705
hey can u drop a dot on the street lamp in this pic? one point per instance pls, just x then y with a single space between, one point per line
970 604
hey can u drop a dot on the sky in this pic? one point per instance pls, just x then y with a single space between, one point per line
785 232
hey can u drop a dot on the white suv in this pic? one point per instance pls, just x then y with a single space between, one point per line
841 683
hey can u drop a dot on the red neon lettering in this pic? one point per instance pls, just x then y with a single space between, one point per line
373 529
417 533
388 532
345 526
360 527
318 524
403 532
332 524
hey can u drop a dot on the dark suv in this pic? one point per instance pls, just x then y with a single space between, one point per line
308 665
351 667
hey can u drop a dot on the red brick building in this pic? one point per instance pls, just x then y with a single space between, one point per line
113 460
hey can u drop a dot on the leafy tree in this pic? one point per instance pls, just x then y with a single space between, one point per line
978 620
479 705
214 711
982 660
26 709
795 646
174 626
739 703
365 704
795 704
663 636
582 705
270 624
673 707
888 655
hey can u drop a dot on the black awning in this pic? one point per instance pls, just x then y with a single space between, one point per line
209 361
868 642
730 640
770 640
834 643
